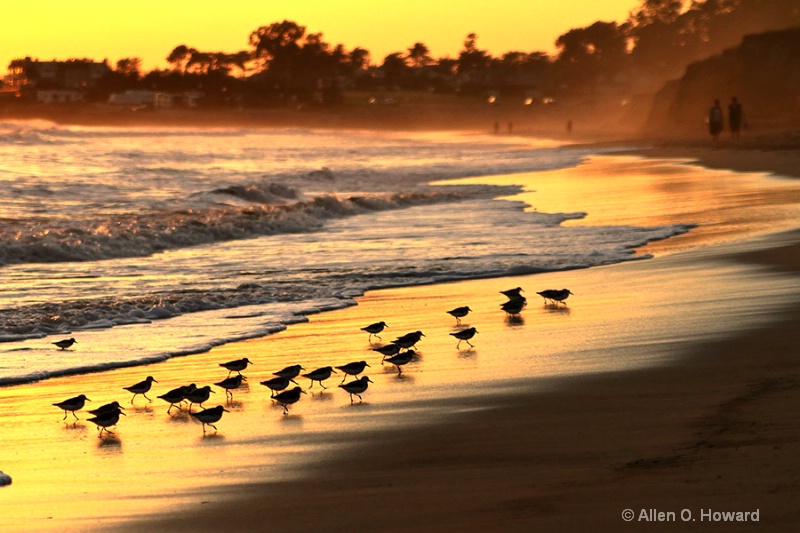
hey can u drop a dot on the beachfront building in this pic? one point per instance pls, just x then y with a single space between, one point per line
73 74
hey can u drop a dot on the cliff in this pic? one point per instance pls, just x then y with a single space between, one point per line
763 72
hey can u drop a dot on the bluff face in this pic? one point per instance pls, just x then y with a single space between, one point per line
763 72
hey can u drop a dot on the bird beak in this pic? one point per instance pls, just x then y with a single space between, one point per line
123 414
225 410
212 392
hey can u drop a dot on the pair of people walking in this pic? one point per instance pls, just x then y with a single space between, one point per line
716 122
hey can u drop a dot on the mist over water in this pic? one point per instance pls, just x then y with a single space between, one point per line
150 243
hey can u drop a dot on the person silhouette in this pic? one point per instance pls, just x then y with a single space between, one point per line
735 116
715 122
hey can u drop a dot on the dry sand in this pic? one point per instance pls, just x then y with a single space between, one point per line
700 414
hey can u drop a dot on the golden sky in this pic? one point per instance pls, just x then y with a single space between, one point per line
150 29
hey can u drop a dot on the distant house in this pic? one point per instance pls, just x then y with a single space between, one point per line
141 98
73 74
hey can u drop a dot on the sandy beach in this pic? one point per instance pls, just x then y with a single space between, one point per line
667 385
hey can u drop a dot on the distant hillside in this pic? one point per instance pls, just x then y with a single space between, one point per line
763 72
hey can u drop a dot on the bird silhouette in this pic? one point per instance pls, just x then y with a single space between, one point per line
105 420
236 366
356 387
230 384
464 336
320 375
141 388
209 416
556 296
352 369
65 343
374 329
401 359
289 397
459 313
72 405
276 384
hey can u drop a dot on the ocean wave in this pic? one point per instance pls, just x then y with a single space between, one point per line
47 241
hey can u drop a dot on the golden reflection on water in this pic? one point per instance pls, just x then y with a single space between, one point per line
659 192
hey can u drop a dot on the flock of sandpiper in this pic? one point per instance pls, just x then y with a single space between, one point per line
398 352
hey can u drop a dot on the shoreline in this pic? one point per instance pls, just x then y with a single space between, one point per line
556 459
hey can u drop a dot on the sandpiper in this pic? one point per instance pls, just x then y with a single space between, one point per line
320 375
209 416
236 366
555 295
388 350
514 307
464 336
229 384
401 359
199 396
374 329
459 313
72 405
276 384
107 408
356 387
288 397
141 388
352 369
176 396
105 420
65 343
513 293
289 372
409 340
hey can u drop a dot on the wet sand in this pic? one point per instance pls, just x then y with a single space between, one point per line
684 377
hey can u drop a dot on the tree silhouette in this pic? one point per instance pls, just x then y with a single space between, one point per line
278 47
394 68
130 67
419 56
592 54
471 60
179 57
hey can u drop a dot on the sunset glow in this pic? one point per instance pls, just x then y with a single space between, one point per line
98 30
